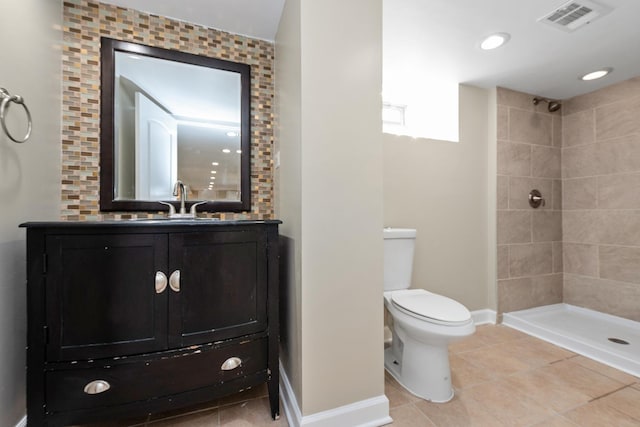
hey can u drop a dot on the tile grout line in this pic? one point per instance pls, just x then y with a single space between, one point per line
608 393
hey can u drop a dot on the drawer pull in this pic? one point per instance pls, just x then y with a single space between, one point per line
174 281
97 387
231 363
161 282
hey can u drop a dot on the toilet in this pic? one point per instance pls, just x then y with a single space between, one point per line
424 324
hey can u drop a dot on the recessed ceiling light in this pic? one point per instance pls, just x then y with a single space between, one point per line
232 134
596 74
214 172
494 41
226 150
239 151
214 163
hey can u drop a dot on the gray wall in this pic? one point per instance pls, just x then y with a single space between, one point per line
442 189
288 187
329 197
29 173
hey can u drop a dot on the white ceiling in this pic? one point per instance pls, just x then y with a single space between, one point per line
444 35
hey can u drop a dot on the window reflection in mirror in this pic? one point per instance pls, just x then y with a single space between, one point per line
175 116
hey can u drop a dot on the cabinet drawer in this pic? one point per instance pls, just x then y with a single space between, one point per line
129 382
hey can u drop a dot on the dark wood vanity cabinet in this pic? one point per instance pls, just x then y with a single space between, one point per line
127 318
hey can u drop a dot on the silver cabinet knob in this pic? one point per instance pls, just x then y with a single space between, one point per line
97 387
161 282
231 364
174 281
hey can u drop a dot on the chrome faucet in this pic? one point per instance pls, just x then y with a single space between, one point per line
179 189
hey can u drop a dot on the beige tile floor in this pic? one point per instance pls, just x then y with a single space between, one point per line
502 377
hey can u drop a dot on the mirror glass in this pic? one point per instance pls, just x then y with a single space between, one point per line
172 116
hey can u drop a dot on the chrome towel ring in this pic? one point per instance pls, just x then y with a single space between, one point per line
17 99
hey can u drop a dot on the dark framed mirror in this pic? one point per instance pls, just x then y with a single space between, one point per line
167 116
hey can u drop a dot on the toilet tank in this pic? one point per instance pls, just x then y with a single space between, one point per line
399 244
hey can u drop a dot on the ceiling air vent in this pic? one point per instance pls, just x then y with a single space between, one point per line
574 14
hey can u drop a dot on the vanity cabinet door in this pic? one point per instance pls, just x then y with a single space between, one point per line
101 297
222 287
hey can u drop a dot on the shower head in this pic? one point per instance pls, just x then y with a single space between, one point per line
553 105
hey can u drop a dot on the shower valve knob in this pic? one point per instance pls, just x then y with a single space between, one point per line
535 199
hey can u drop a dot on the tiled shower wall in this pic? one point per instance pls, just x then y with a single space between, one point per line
84 23
601 200
529 240
583 248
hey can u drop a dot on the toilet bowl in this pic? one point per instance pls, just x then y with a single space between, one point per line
419 356
424 324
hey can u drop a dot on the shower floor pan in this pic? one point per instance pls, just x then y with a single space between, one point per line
583 331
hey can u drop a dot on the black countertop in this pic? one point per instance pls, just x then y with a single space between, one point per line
147 222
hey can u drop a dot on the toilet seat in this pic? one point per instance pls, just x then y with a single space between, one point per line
430 307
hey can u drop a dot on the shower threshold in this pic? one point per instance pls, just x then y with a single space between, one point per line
608 339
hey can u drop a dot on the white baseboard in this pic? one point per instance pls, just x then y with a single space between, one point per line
481 317
22 422
372 412
288 398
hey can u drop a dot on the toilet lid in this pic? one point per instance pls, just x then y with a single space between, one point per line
432 306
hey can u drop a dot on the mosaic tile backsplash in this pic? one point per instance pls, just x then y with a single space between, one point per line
84 23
